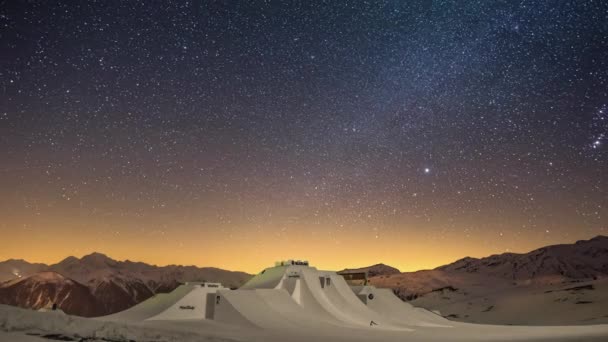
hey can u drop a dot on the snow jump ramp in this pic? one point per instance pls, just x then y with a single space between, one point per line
249 308
323 295
188 301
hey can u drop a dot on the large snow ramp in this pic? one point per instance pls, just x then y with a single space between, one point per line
247 308
318 291
269 278
150 307
306 317
309 297
341 295
191 306
322 295
187 301
290 278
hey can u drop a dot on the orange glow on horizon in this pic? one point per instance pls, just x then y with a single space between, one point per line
251 252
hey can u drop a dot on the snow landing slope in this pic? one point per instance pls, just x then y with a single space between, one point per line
188 301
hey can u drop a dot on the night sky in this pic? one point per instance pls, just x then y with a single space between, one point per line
234 134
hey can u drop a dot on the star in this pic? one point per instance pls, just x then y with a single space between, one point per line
191 120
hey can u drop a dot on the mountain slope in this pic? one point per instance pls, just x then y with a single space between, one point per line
44 289
527 288
584 259
112 285
17 268
96 267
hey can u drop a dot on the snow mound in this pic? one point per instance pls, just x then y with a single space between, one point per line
16 320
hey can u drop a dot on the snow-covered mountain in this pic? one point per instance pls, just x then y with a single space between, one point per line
494 289
17 268
374 270
44 289
586 259
114 284
98 268
111 285
583 260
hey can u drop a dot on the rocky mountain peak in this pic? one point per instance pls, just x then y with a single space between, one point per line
69 260
373 270
98 260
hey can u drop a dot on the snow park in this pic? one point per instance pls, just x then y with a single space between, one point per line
290 301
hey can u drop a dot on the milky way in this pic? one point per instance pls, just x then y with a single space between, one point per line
411 132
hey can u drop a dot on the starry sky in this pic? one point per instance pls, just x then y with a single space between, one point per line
234 134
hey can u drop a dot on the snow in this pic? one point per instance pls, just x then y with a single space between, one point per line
331 313
20 322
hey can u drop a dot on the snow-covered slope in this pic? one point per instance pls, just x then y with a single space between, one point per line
480 290
30 326
27 325
585 259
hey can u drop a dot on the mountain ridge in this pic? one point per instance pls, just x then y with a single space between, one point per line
579 260
116 285
111 285
578 242
44 289
373 270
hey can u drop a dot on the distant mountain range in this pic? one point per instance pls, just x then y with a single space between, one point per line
96 285
44 289
372 271
469 289
586 259
569 278
583 260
